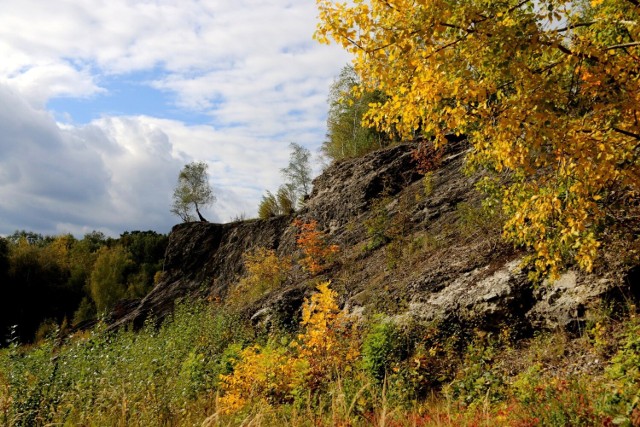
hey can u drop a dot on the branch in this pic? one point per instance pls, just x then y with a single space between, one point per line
355 43
568 51
627 133
590 23
622 45
572 26
519 5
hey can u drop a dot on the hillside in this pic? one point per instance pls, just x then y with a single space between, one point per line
409 246
389 299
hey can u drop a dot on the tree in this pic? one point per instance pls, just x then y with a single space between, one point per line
193 191
346 136
298 172
297 187
547 92
108 277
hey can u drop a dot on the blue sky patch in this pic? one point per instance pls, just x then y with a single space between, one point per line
126 95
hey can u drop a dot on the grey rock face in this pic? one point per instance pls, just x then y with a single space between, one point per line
460 275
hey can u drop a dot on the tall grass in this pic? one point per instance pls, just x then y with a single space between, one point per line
171 376
157 376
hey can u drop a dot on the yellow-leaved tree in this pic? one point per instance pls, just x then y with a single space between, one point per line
325 349
547 93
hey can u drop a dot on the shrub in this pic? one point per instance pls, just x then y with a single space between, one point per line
380 348
624 373
477 381
327 342
317 254
264 375
284 202
378 225
268 206
266 271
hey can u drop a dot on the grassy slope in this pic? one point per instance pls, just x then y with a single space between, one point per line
171 376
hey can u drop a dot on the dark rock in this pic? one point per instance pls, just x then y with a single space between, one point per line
346 189
455 275
204 259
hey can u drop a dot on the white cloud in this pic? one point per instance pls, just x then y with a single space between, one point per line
117 173
250 66
41 82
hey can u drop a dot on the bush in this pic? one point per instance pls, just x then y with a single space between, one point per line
317 254
266 375
266 271
284 202
381 349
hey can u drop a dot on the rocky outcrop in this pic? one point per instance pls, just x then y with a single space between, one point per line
441 260
204 259
346 189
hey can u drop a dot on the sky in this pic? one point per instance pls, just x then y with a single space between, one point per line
102 102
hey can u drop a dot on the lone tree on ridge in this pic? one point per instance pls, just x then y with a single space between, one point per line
193 191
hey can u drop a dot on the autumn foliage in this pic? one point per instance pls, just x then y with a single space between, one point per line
317 253
274 374
265 271
547 93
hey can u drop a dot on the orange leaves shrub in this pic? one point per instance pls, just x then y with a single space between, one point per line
428 156
317 254
275 374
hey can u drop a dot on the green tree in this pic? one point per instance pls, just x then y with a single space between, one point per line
5 290
295 189
108 278
298 173
37 284
346 136
192 192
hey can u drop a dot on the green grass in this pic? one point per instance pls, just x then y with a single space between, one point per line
169 375
164 376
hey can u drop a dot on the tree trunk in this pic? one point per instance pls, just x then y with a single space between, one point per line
200 215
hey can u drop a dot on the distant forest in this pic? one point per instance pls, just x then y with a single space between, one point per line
51 282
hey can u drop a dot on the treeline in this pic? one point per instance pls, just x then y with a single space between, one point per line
49 282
